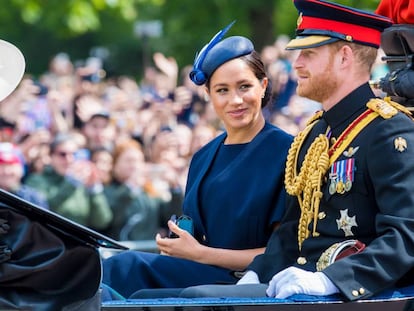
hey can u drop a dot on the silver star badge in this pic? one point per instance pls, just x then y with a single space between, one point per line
346 223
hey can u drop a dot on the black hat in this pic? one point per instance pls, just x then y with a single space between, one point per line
322 22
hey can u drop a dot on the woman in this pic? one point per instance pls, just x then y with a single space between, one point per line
138 209
234 191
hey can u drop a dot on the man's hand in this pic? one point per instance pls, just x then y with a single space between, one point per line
297 281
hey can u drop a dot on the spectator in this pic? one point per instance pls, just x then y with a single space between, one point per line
35 149
11 174
99 131
202 134
136 205
72 188
103 160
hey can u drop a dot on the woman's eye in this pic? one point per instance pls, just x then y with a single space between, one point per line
222 90
245 86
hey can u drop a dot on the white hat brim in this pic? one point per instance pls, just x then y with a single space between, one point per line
12 66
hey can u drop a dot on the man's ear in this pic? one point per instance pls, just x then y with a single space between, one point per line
347 55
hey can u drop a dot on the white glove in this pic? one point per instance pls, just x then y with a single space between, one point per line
249 278
293 280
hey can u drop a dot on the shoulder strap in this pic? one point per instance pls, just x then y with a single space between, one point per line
388 108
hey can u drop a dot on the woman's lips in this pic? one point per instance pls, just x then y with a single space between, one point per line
238 112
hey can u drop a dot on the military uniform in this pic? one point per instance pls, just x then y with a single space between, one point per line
349 177
375 204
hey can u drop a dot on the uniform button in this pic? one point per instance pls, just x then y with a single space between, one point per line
321 215
301 261
204 238
362 290
355 293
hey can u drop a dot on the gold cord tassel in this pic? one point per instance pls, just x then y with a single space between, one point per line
307 184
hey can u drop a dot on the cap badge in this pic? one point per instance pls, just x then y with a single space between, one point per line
346 223
400 144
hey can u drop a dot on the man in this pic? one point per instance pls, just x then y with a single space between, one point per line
99 131
11 173
350 219
72 187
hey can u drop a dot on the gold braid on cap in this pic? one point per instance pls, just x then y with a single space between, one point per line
307 184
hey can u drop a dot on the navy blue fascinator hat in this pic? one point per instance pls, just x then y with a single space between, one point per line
216 53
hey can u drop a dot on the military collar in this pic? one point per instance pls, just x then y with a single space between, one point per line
349 107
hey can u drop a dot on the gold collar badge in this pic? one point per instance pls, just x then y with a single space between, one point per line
400 144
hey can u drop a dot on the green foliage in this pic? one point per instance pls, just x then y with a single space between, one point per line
42 28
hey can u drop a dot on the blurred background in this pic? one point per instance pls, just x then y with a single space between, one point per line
125 33
104 124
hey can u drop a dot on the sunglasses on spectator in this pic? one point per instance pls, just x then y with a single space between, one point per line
64 154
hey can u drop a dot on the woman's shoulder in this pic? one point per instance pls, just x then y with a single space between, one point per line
211 144
277 133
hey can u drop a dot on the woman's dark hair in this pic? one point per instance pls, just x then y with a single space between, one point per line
255 63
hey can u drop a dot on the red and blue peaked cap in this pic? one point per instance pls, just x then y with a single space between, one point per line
322 22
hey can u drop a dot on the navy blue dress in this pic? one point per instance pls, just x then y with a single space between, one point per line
234 194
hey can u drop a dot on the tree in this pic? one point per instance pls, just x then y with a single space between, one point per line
42 28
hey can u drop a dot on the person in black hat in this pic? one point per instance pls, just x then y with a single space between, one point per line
234 192
349 173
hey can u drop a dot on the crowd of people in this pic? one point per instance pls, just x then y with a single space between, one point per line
112 153
313 209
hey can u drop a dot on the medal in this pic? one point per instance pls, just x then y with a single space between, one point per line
333 177
348 185
341 176
350 168
346 223
332 187
340 187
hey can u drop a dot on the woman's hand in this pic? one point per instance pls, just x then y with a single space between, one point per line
185 246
